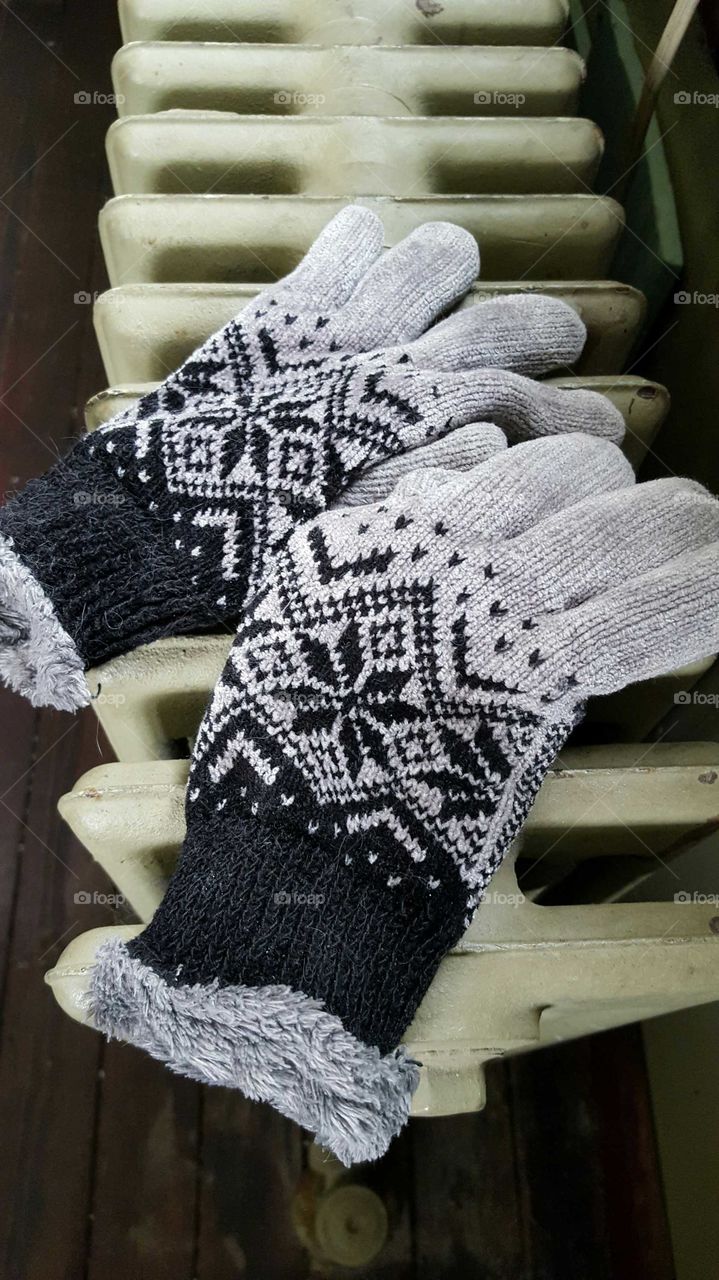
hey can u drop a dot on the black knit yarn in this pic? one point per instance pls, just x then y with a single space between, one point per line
258 904
165 520
105 560
358 776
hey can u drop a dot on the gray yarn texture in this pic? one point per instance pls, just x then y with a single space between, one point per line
45 666
274 1044
323 391
549 576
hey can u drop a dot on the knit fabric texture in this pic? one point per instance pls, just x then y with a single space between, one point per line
165 520
396 692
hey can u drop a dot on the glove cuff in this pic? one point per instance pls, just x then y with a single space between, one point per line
290 965
275 967
274 1044
38 658
88 570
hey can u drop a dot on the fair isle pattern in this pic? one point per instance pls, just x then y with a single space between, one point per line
239 447
279 414
393 699
327 389
353 702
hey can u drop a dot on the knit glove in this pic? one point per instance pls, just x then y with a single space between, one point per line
394 697
163 521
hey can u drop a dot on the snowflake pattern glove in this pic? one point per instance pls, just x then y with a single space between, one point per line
163 521
393 700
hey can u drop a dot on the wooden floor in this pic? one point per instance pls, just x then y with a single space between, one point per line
110 1167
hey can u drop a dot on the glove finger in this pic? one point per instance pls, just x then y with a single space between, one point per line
517 489
524 409
527 333
409 286
424 482
648 625
332 267
611 538
458 451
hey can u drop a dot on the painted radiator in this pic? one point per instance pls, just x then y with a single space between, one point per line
244 126
326 22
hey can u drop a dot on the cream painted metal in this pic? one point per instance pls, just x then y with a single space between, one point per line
621 800
150 701
526 976
643 405
145 330
212 238
275 79
522 977
410 126
205 151
538 22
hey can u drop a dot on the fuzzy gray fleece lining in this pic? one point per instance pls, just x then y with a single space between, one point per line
274 1044
46 666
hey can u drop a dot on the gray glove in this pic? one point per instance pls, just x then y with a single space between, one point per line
164 521
393 700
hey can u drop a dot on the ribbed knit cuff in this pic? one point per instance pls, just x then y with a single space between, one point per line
87 571
277 966
255 904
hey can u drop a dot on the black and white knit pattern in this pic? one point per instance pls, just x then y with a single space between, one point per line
366 700
268 425
394 697
323 390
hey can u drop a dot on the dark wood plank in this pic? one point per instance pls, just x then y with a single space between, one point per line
638 1232
48 215
145 1198
586 1158
51 163
390 1180
18 720
48 1064
467 1203
251 1165
556 1137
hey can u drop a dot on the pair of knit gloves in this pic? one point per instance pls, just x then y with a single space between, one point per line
423 613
